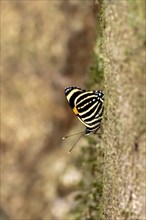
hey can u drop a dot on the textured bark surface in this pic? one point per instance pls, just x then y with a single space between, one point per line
124 130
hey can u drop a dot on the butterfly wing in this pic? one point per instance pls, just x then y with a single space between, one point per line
87 106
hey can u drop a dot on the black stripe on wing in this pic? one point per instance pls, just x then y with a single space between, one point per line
71 94
90 113
94 114
72 98
83 96
89 108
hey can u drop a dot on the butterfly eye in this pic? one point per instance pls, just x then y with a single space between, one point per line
100 94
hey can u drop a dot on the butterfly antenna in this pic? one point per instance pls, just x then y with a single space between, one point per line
82 132
76 142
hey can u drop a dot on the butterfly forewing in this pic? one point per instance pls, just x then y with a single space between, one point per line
87 106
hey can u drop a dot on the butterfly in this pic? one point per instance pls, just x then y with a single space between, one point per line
87 105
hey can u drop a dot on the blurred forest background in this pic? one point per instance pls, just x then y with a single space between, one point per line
45 47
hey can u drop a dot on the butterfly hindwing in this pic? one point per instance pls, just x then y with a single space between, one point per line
87 106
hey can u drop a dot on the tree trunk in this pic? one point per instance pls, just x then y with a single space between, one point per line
124 131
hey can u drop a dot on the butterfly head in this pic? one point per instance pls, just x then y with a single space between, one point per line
100 95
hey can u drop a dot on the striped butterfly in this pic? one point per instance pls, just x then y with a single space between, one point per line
87 106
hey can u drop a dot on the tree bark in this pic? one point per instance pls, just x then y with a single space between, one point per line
124 129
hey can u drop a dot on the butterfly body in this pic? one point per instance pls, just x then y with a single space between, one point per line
87 106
